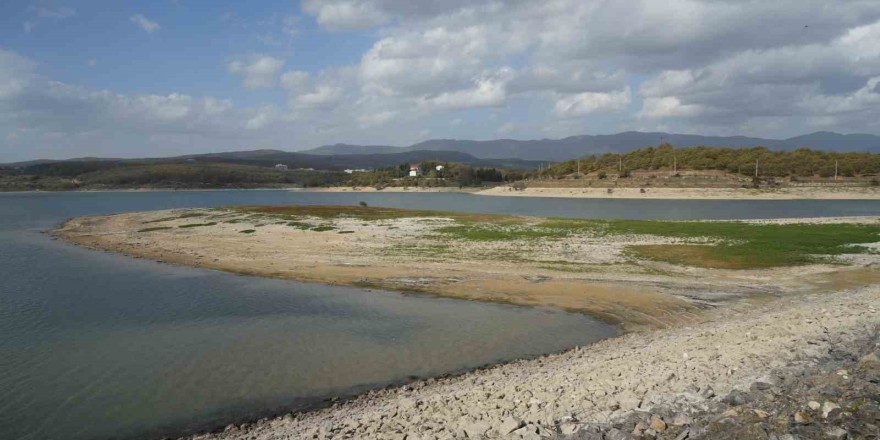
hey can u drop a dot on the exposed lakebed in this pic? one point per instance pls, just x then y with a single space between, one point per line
97 346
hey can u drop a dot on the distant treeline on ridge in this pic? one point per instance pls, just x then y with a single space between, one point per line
798 163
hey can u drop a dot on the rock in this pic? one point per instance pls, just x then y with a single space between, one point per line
569 428
684 435
640 428
657 423
870 361
708 393
509 425
616 434
760 386
737 398
802 418
761 414
836 433
682 419
827 407
814 405
475 429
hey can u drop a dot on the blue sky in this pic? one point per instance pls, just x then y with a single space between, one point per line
135 79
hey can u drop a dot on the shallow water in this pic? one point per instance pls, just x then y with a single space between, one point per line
95 345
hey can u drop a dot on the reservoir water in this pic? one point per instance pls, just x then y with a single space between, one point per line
96 346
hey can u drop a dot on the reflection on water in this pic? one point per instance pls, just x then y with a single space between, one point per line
94 345
100 346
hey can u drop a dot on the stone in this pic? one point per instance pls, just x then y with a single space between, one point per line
657 423
569 428
509 425
760 386
737 398
827 407
616 434
761 414
870 361
475 429
814 405
682 419
802 418
836 433
684 435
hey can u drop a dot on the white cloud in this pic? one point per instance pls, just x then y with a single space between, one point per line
294 80
145 23
323 96
345 15
591 102
487 92
261 72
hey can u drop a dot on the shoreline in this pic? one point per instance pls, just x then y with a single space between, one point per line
655 193
799 193
673 336
686 376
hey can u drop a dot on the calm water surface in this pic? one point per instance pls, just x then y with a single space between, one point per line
94 345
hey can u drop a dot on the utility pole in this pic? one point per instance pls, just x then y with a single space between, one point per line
579 168
674 164
756 167
620 165
836 163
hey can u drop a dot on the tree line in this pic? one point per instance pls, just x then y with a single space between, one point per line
802 162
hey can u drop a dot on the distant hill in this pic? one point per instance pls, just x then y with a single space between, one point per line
269 158
353 149
585 145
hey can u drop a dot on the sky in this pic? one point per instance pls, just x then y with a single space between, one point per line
167 77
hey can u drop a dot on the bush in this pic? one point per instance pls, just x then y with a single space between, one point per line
603 174
362 203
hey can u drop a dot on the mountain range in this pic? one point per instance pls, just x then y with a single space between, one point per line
584 145
500 153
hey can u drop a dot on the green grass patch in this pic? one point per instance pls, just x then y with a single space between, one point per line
299 225
247 231
156 228
346 232
197 225
482 232
748 246
323 228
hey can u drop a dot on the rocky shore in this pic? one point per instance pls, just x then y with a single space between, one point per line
800 367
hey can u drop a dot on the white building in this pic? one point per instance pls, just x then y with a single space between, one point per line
414 171
439 167
281 167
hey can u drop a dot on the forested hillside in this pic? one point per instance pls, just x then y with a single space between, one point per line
797 163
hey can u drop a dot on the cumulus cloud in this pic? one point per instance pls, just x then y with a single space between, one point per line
260 72
566 66
149 26
591 102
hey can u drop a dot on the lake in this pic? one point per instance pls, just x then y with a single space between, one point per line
95 345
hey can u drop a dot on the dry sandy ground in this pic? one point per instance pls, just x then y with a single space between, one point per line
840 193
582 273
